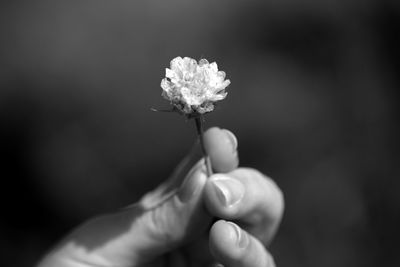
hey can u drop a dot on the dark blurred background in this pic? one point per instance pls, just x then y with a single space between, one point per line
313 102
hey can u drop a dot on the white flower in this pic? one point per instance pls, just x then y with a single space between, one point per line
193 87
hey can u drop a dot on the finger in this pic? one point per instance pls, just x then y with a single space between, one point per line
221 146
248 197
176 221
233 247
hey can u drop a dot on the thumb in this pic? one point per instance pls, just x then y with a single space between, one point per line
221 146
173 222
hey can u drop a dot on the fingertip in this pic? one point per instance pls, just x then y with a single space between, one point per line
229 243
232 246
221 146
223 241
192 185
222 195
232 139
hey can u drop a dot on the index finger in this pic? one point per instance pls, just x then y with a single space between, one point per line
221 147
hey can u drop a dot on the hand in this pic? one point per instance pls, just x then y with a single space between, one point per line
190 220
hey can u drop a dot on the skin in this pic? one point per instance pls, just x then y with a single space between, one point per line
189 220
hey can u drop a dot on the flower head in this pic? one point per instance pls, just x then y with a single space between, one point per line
193 87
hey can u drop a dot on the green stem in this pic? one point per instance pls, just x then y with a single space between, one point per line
200 133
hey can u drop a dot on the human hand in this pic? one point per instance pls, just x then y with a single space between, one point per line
190 220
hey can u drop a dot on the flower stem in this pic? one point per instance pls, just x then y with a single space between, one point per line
200 133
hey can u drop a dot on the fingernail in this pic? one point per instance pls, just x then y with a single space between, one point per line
242 239
231 138
191 185
228 190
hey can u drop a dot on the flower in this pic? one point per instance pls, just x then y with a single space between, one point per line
193 88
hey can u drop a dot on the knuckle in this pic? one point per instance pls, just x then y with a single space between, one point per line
247 175
261 182
251 176
278 198
163 227
263 188
266 183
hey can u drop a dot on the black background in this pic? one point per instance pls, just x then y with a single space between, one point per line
313 102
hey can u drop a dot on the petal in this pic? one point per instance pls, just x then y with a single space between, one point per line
176 64
190 64
203 62
218 97
225 84
221 74
204 108
165 85
214 67
169 73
